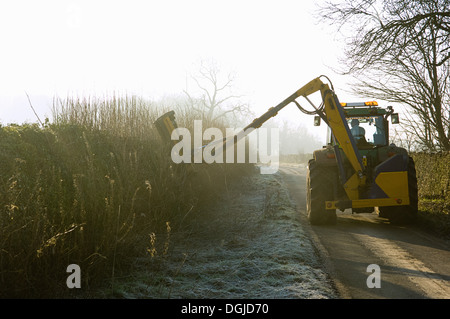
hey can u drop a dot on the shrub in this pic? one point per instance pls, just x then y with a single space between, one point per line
433 175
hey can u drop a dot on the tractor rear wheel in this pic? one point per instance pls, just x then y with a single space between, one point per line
319 188
404 215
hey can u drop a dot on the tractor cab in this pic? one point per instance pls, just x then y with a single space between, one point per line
369 126
368 123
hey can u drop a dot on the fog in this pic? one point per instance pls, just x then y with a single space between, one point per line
149 48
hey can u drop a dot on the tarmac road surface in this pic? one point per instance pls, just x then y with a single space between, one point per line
369 258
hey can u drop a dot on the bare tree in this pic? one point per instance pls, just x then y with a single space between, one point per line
399 51
216 99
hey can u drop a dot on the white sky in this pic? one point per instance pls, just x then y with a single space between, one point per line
148 47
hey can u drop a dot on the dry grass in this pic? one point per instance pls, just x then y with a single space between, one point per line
95 188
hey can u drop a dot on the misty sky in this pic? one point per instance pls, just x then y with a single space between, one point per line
149 47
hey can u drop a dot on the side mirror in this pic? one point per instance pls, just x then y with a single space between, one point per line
394 118
316 120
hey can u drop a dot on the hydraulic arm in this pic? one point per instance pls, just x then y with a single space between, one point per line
332 113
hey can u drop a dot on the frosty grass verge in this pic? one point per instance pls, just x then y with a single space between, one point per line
252 244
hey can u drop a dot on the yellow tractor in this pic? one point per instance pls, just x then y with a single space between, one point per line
357 169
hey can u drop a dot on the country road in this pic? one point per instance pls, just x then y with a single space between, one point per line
412 263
